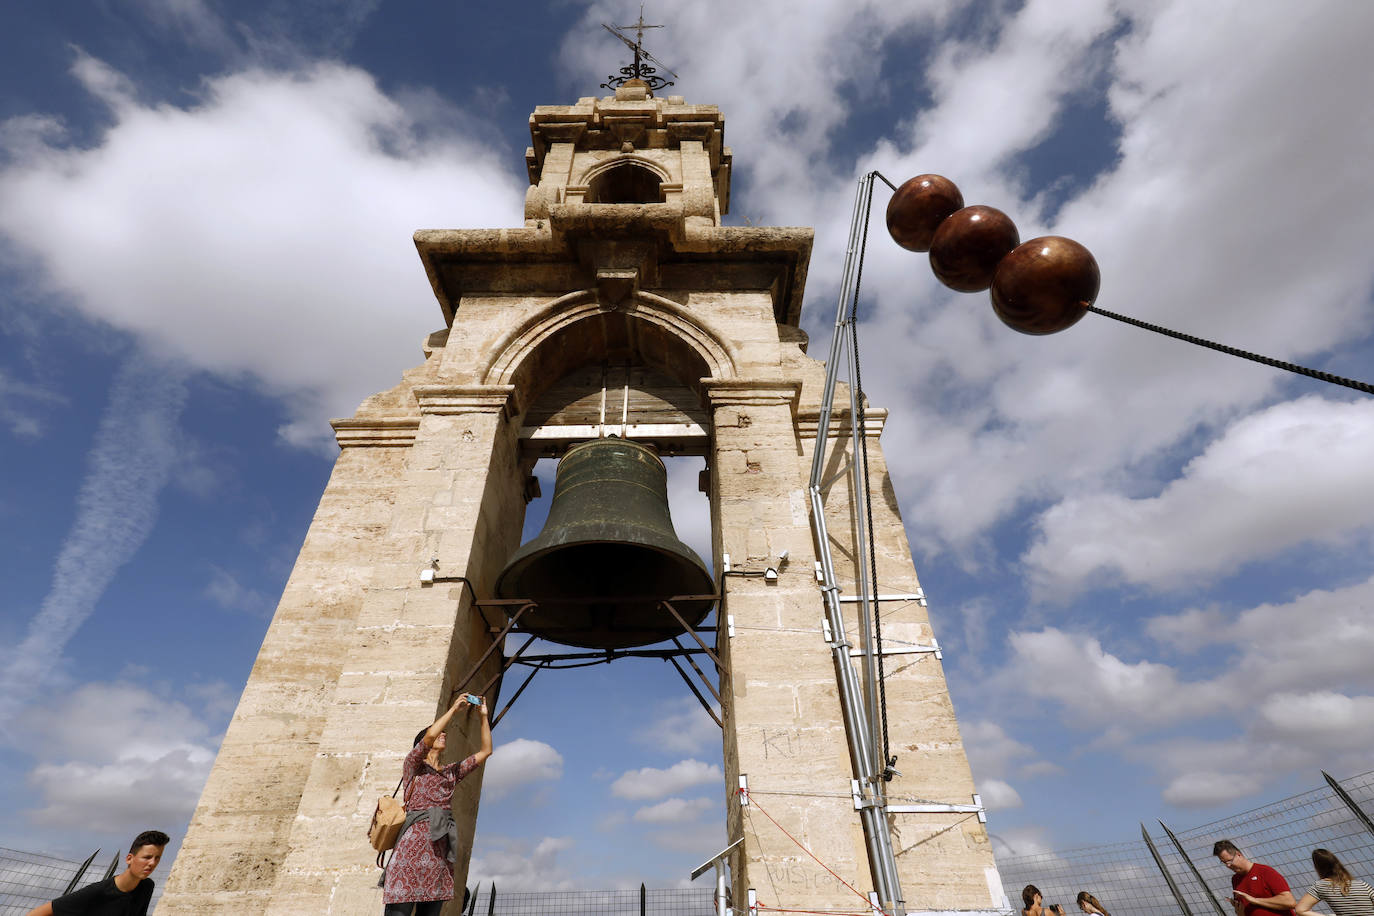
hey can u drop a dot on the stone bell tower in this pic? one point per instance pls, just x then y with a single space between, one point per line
621 307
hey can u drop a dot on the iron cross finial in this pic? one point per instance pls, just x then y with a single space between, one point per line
642 68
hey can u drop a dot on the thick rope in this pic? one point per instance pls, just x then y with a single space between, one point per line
1243 354
753 803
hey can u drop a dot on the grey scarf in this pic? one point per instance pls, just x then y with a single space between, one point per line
440 825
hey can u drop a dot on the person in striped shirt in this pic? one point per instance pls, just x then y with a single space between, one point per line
1346 895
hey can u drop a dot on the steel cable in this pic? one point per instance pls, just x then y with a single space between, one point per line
1243 354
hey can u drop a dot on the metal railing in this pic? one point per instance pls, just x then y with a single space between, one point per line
681 901
30 879
1180 875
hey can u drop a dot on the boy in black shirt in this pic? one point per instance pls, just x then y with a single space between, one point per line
126 894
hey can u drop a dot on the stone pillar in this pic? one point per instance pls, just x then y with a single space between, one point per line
944 859
368 681
783 728
238 837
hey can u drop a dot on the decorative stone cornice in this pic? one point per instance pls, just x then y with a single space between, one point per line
364 432
464 261
752 392
809 421
452 400
606 123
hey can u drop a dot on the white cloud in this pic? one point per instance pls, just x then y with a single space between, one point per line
1190 630
647 782
998 795
986 421
994 755
612 821
1096 687
680 726
1331 720
674 811
695 841
1022 841
116 509
25 407
521 864
1328 639
1196 789
1304 705
519 763
263 231
229 593
1296 472
117 758
193 20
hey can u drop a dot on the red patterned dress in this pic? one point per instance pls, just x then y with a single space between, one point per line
419 869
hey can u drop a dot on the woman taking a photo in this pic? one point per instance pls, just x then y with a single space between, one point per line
419 877
1347 896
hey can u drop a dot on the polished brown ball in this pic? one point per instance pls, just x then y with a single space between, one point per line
918 207
968 245
1045 285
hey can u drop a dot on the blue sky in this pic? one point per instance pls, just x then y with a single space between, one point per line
1150 565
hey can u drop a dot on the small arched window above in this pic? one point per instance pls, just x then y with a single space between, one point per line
627 183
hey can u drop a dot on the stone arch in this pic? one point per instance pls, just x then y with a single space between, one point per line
576 329
625 180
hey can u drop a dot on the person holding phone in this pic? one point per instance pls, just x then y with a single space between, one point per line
419 877
1258 889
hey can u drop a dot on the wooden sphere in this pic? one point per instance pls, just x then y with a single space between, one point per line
920 205
1045 285
968 245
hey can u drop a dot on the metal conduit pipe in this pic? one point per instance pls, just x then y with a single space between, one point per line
858 491
876 835
882 858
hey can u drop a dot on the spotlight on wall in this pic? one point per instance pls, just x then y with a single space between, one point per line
427 575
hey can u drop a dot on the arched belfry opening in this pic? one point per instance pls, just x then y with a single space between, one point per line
625 183
568 346
647 335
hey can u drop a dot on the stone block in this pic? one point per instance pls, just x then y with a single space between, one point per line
333 788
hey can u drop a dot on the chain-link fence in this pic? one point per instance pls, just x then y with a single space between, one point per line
1174 871
30 879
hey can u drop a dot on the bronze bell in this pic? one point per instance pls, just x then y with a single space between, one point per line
608 554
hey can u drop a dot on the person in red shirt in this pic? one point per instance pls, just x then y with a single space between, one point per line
1258 889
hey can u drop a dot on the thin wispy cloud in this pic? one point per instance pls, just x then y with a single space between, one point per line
129 463
24 406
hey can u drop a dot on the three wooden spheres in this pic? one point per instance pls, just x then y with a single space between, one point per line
1037 287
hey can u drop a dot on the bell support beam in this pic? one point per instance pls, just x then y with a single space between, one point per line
701 674
496 644
697 693
668 603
